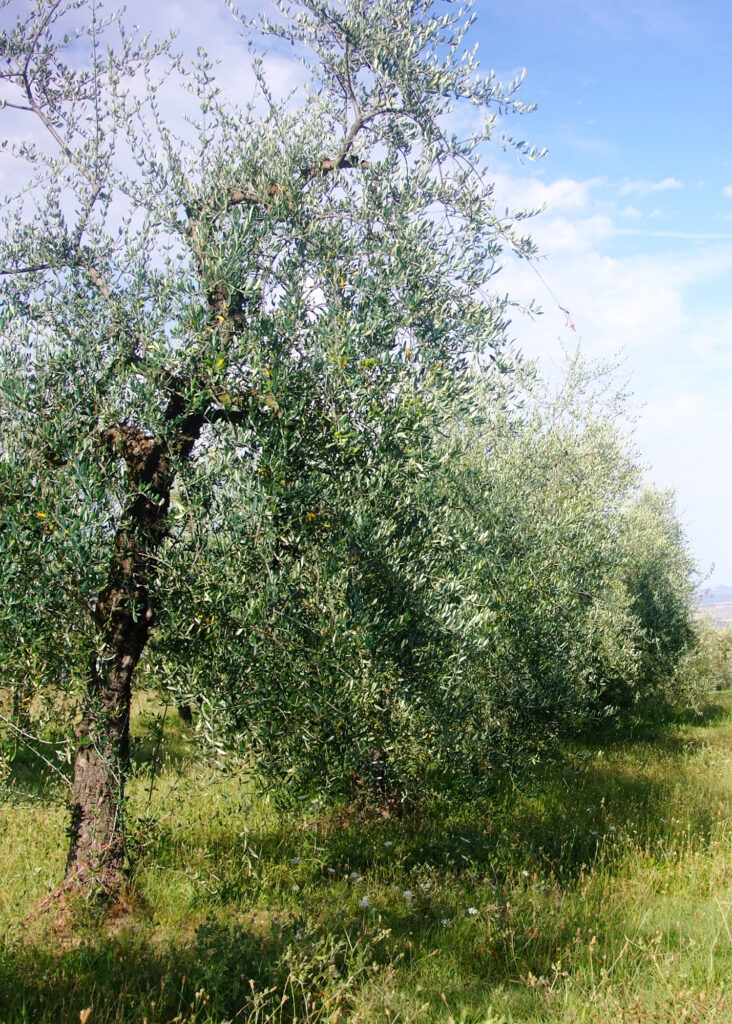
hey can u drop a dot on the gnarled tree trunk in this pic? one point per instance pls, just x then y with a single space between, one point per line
123 617
124 614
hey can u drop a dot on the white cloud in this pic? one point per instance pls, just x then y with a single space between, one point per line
658 304
646 188
531 193
727 191
686 437
211 25
695 236
570 238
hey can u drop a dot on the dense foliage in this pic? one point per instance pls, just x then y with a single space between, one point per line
433 630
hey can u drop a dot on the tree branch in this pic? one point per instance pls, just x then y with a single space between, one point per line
137 449
349 80
21 77
14 106
35 268
238 196
97 280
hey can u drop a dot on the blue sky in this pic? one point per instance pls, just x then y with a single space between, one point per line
634 108
636 235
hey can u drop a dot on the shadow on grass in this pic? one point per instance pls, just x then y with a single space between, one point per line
159 737
715 710
599 801
220 972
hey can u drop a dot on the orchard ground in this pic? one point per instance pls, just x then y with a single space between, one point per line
599 890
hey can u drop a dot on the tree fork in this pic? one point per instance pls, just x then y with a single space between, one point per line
123 614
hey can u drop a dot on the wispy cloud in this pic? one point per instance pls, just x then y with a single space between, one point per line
644 301
646 188
727 191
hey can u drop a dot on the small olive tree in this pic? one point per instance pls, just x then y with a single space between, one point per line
194 321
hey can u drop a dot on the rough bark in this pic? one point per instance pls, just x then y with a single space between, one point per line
123 615
96 850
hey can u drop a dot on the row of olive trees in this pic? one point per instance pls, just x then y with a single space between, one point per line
425 628
250 432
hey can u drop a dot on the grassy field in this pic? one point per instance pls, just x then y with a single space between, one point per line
599 891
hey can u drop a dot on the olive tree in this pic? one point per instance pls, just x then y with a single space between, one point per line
661 579
247 307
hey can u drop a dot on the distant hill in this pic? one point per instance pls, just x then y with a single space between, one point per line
715 595
717 604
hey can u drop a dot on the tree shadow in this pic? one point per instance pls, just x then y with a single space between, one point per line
159 737
660 728
221 971
556 821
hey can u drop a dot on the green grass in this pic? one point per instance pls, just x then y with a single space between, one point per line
599 891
